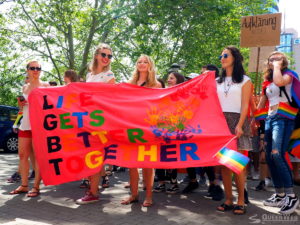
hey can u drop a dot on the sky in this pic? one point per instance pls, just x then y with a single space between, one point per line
291 9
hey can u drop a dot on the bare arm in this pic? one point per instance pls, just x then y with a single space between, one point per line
112 81
158 85
279 79
262 102
246 95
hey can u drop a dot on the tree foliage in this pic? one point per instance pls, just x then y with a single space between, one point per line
63 34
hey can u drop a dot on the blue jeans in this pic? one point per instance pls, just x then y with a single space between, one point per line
278 130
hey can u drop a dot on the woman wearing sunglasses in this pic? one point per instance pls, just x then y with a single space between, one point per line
25 136
143 75
234 92
278 129
100 72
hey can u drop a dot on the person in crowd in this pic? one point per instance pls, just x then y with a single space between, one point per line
25 144
210 67
253 165
294 159
100 72
264 179
144 75
215 191
70 76
174 78
162 83
16 177
264 175
234 92
278 129
52 83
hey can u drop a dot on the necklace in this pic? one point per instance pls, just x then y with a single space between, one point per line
227 85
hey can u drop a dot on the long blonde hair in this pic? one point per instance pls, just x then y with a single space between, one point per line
151 80
94 63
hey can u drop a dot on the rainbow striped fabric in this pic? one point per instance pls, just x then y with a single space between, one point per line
287 111
294 144
295 85
261 114
232 159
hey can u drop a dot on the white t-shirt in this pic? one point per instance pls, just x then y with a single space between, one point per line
103 77
230 94
273 93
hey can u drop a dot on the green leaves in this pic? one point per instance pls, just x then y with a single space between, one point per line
64 33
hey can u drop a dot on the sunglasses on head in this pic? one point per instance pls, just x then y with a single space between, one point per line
35 68
104 55
225 56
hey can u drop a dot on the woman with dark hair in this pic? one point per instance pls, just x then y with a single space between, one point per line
175 78
278 129
234 92
70 76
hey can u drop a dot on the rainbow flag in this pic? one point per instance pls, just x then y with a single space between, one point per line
232 159
287 111
295 85
261 114
294 144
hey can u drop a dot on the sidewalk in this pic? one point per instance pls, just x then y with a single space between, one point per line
56 205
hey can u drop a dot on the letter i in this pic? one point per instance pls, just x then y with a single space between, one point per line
60 101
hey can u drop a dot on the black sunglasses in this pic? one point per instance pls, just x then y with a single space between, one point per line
275 59
104 55
225 56
35 68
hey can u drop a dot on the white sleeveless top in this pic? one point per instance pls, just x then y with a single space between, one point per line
103 77
25 122
230 94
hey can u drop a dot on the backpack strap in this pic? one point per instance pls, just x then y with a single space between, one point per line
282 89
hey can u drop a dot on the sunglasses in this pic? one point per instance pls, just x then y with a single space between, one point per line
35 68
275 59
104 55
225 56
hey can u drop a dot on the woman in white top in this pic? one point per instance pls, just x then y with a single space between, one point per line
25 136
143 75
278 129
100 72
234 92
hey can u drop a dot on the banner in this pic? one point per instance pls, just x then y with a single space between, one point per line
78 127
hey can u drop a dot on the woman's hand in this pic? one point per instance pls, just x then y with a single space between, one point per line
278 62
239 131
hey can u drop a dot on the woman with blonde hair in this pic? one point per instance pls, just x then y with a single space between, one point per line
99 72
143 75
25 135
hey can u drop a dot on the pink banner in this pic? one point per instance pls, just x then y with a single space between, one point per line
79 126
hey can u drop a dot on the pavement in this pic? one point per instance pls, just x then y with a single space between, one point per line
56 205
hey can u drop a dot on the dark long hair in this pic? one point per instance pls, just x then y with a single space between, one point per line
238 69
179 77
